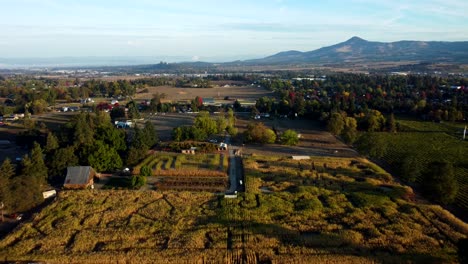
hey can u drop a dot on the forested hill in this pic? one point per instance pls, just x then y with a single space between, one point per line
358 50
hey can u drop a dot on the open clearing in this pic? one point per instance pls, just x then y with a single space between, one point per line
314 141
334 210
247 93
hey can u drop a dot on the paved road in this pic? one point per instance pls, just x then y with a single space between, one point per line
235 169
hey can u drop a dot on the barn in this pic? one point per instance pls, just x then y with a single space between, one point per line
79 177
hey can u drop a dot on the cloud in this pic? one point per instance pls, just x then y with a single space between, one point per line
196 58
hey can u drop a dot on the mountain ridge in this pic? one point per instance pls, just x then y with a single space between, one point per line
358 50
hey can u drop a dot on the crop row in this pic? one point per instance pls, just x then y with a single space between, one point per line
428 147
189 173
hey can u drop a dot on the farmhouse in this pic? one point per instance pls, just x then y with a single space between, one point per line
79 177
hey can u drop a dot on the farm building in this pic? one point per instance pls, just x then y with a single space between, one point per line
79 177
208 101
300 157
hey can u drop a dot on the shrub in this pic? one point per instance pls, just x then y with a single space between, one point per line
145 171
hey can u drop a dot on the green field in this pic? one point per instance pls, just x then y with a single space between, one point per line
427 147
323 210
421 126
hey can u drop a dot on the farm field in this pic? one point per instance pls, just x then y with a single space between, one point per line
421 126
322 210
315 140
427 147
201 172
243 93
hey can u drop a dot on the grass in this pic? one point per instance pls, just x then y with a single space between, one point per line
323 210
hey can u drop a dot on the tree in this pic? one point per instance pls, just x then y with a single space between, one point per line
28 185
37 167
231 119
391 123
289 137
61 159
349 133
117 112
150 138
83 129
111 136
102 157
7 172
133 112
177 134
269 137
221 123
237 105
372 145
51 143
375 121
231 130
336 123
411 168
439 182
204 122
136 154
258 132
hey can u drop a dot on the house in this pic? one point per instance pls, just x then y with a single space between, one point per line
79 177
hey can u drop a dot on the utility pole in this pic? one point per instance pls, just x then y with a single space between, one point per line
464 133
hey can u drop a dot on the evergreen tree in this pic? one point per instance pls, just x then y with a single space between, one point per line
102 157
61 159
51 143
83 133
133 112
38 168
150 138
7 172
111 136
28 185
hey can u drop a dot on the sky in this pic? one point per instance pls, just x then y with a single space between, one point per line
210 30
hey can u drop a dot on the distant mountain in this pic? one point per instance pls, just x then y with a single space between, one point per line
358 50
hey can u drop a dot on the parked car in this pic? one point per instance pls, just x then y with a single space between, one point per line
16 216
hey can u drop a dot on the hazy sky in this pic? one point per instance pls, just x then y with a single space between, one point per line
208 29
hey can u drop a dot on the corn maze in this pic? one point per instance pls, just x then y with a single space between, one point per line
201 172
322 210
